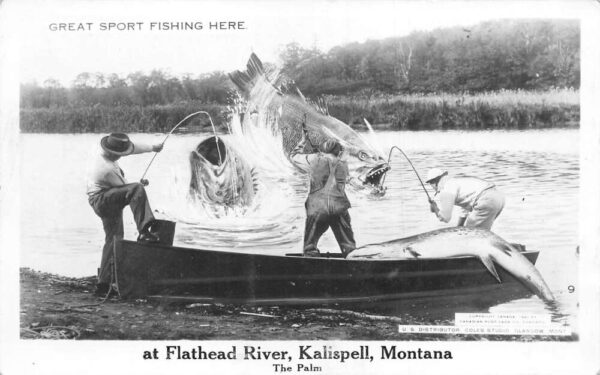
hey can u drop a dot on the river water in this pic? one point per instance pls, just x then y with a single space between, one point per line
538 170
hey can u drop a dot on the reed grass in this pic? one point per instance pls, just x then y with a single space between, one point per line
103 119
494 110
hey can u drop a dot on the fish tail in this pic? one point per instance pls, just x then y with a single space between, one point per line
245 80
532 279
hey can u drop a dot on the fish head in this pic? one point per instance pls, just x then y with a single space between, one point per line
367 169
212 172
366 164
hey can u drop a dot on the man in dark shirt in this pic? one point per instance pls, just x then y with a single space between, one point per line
327 204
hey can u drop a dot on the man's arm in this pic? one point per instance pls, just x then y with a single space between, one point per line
298 158
445 206
140 148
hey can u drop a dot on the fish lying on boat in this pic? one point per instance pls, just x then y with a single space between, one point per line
462 241
292 110
220 176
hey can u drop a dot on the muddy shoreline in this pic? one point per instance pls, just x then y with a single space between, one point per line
58 307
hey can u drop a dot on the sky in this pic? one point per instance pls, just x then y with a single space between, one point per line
267 27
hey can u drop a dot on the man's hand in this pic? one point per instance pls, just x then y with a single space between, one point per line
144 182
433 207
157 147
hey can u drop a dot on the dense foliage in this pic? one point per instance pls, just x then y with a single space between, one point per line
511 55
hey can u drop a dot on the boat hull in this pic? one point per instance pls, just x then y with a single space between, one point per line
143 270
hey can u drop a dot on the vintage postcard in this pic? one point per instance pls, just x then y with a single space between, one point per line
299 187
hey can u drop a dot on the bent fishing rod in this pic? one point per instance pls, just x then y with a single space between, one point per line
175 127
413 168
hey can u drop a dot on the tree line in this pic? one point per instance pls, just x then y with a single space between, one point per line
509 55
136 89
513 55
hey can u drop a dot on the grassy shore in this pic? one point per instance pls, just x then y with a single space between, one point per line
494 110
54 306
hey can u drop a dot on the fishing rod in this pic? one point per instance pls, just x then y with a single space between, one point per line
413 168
175 127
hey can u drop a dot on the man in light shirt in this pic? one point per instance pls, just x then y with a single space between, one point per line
109 192
479 200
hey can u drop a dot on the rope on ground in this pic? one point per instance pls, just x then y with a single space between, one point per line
51 332
261 315
110 289
68 309
358 315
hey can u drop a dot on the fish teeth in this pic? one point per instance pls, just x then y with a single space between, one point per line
377 173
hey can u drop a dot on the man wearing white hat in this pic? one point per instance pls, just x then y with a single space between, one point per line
479 200
109 192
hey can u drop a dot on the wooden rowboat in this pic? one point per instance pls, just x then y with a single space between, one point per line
143 269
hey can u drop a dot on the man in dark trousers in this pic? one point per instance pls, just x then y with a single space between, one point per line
327 204
109 192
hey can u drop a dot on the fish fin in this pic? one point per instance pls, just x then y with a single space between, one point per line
321 106
489 264
412 252
504 246
300 94
254 175
255 66
245 80
373 136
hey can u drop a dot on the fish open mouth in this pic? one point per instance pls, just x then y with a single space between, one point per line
213 150
374 176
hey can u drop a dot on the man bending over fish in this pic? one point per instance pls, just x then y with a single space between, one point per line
108 193
479 200
327 204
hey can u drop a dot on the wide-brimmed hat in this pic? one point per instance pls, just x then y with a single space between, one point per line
435 173
117 144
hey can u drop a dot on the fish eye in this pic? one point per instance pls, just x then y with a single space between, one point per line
362 155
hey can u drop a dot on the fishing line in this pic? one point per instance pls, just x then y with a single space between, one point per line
305 130
216 136
413 168
175 127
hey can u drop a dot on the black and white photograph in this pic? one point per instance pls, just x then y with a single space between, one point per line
299 187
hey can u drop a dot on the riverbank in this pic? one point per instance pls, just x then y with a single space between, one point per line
54 307
496 110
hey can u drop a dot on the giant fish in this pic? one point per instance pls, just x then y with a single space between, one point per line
219 176
290 110
462 241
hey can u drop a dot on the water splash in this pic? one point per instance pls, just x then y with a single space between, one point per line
272 217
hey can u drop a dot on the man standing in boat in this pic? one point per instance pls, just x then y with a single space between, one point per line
327 204
479 200
109 192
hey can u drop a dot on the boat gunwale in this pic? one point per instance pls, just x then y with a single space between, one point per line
299 255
